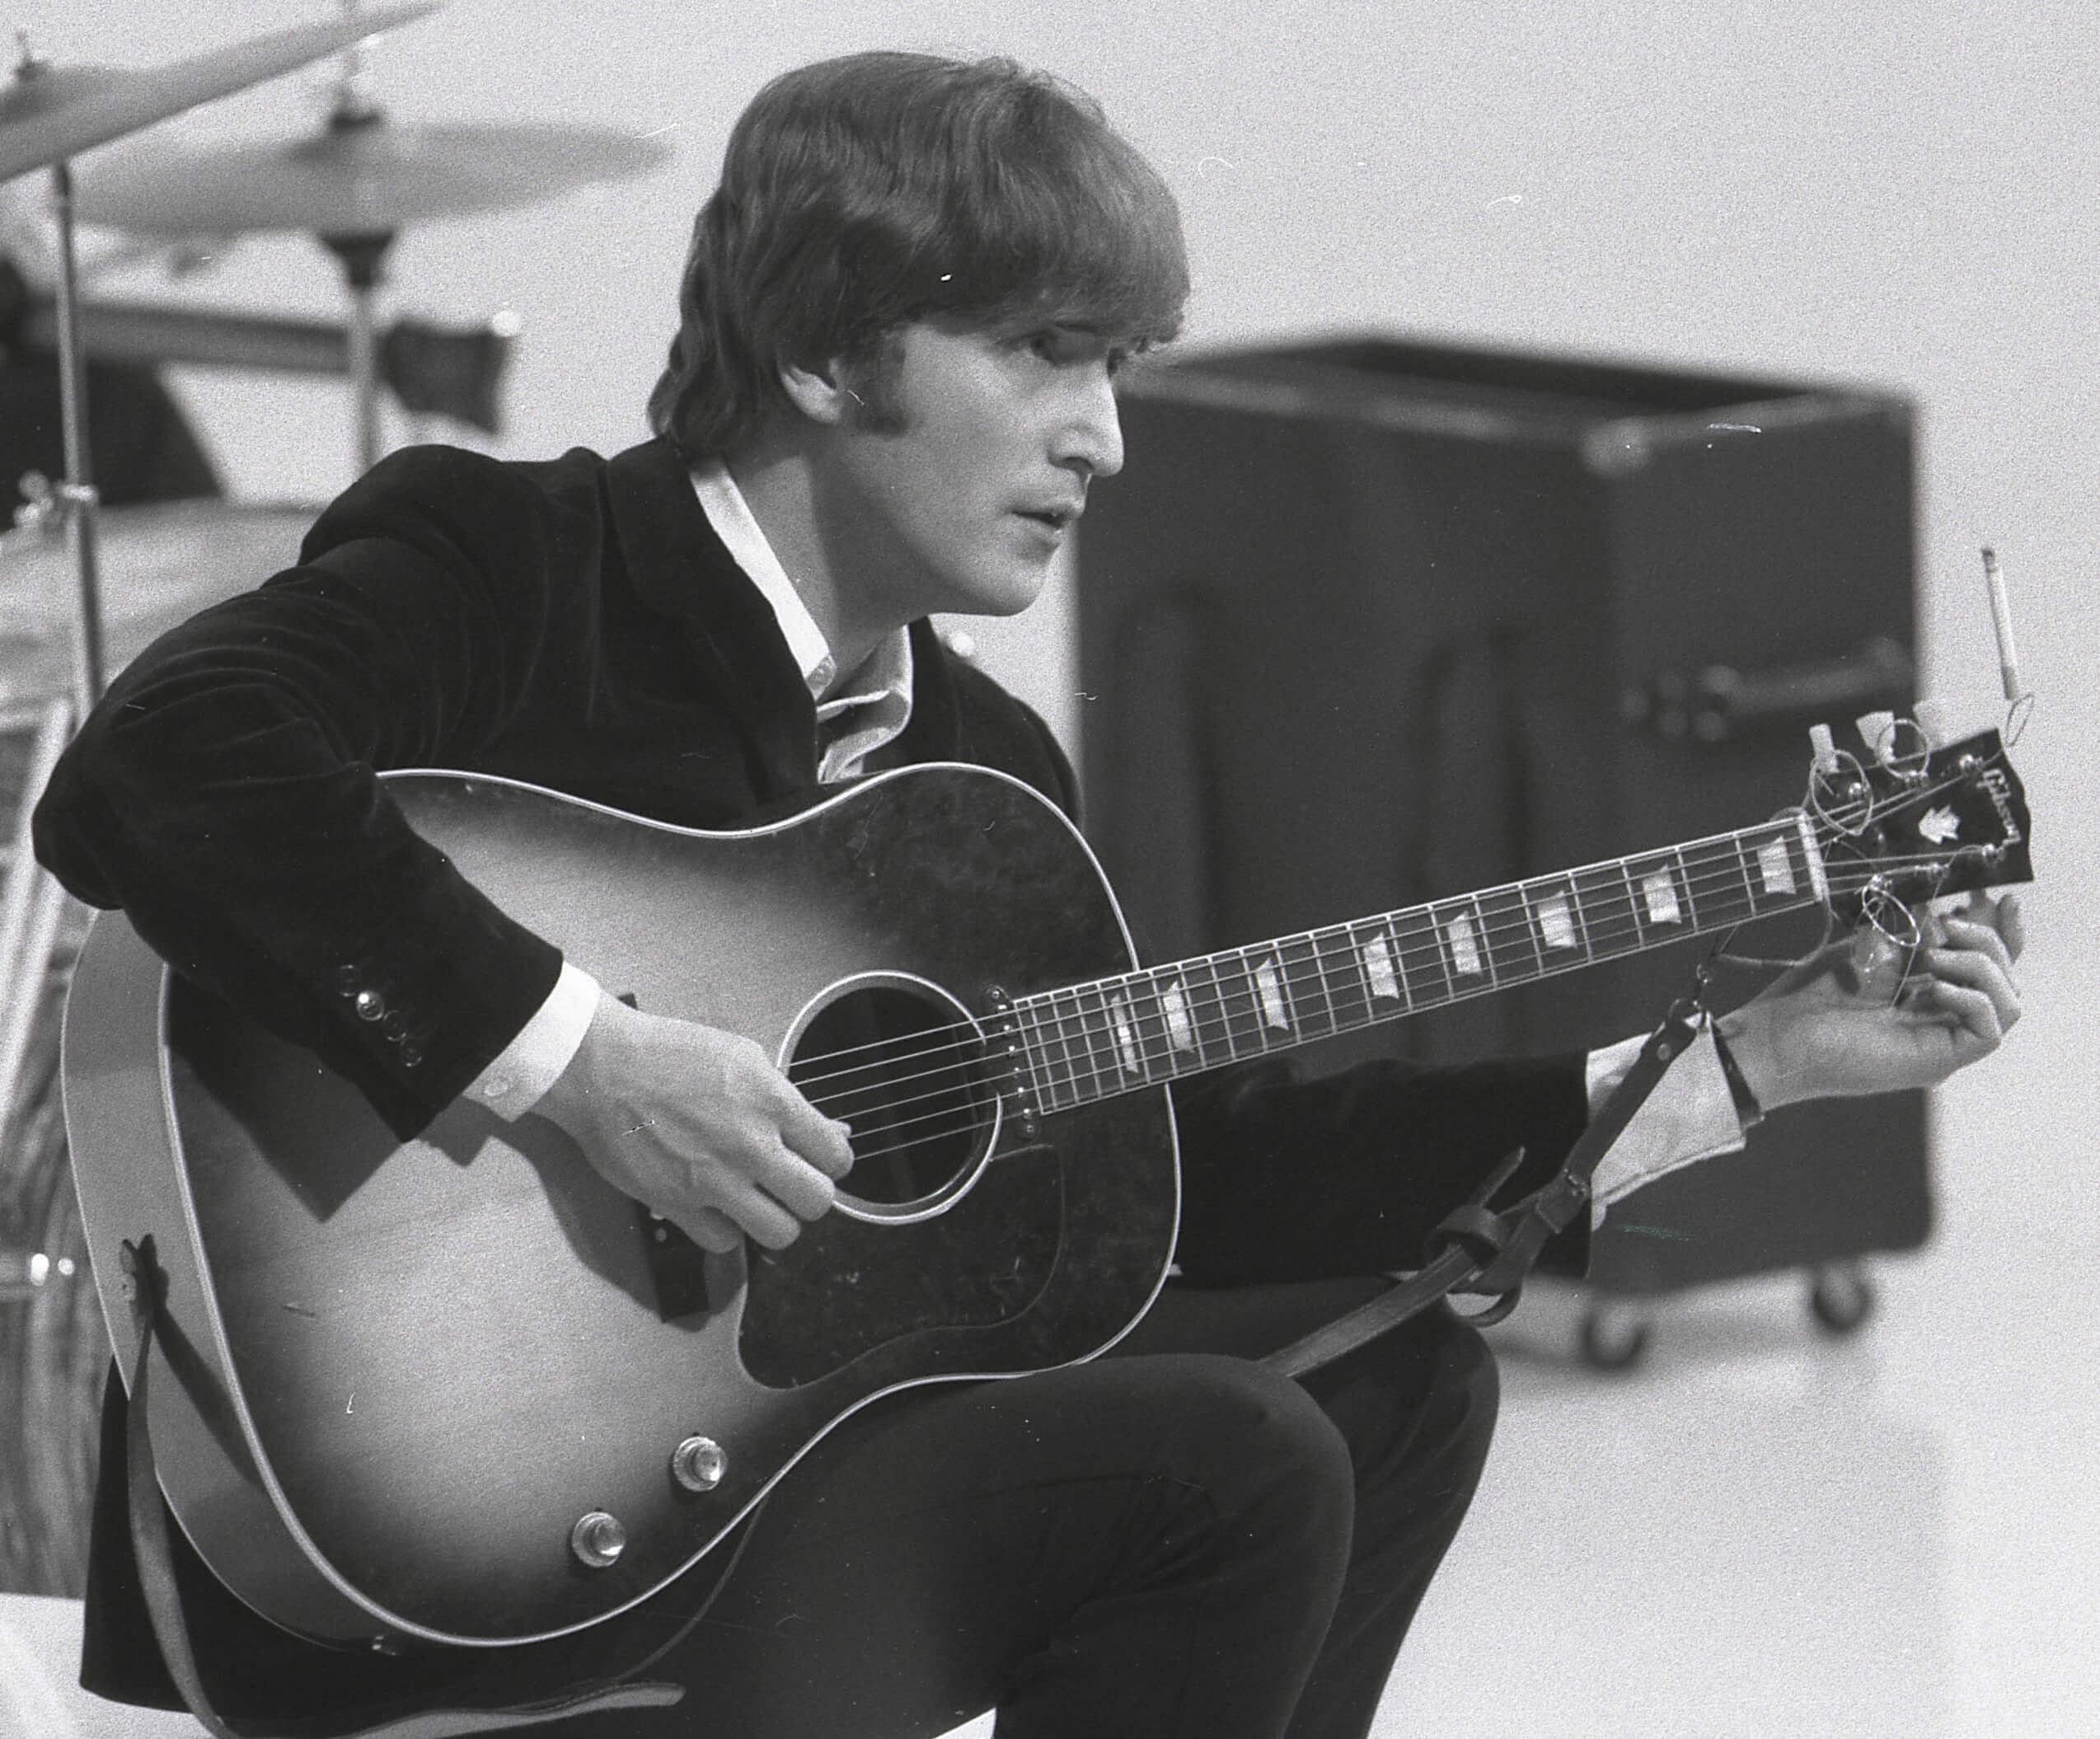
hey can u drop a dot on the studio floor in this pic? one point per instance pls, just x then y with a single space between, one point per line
1761 1530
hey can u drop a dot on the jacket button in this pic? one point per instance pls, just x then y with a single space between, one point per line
411 1054
395 1026
369 1003
347 979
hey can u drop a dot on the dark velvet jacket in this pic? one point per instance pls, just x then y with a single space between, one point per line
577 624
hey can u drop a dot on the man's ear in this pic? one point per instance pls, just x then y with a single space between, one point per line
820 394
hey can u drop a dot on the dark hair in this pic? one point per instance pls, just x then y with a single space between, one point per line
860 194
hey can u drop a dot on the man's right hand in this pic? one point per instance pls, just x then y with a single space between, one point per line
697 1125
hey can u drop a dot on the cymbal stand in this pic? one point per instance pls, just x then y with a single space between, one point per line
363 259
75 499
34 901
78 499
363 255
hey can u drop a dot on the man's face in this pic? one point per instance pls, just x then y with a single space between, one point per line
965 465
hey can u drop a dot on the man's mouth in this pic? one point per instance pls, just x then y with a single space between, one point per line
1058 519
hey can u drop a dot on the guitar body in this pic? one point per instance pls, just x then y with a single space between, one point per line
392 1377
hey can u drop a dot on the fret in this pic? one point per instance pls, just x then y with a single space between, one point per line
1148 1031
1149 1024
1096 1035
1558 925
1066 1078
1348 984
1210 1003
1658 897
1777 877
1467 967
1632 904
1742 868
1685 878
1611 927
1724 884
1273 996
1420 952
1240 1003
1305 978
1126 1045
1513 952
1184 1035
1378 959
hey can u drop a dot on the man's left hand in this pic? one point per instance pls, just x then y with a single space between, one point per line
1848 1021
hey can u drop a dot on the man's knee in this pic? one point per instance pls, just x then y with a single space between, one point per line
1270 1460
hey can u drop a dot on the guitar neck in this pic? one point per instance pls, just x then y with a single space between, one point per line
1091 1041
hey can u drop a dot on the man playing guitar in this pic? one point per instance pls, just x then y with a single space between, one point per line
892 384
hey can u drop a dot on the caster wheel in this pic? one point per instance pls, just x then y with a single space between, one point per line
1614 1337
1841 1297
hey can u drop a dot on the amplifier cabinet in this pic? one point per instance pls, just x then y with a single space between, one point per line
1364 623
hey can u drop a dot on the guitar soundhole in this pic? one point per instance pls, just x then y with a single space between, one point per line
903 1064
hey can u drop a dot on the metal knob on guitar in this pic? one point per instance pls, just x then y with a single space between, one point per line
699 1463
597 1540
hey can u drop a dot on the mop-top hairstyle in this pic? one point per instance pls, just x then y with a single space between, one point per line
862 194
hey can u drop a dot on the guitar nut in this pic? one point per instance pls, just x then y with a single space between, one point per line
597 1540
699 1463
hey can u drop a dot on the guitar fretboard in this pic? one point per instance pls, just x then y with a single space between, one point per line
1088 1042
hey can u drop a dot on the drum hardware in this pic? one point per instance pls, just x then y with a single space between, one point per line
48 114
432 370
355 186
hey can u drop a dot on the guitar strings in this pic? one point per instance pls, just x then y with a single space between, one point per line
966 1080
1724 862
1723 859
1066 1004
1306 975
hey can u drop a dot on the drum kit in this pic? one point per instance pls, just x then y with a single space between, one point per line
354 185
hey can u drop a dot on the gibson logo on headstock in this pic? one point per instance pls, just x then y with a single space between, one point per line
1995 782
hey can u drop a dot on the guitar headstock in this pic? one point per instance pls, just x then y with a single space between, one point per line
1916 822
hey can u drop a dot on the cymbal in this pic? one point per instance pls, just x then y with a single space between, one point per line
365 178
50 113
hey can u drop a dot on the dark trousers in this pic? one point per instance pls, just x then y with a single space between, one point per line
1171 1542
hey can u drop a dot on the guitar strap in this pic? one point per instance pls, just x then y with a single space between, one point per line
150 1544
1482 1250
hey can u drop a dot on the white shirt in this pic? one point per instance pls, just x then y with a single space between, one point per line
1690 1115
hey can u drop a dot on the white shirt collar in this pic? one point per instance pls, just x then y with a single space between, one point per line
731 515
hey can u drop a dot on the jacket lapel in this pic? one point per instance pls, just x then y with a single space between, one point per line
678 567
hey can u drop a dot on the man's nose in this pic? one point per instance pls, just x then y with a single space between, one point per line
1092 434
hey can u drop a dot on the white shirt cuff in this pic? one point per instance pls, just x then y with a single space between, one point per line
1689 1116
532 1061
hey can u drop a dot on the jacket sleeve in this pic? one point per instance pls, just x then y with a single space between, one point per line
224 795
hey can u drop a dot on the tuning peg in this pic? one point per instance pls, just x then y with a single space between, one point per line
1877 731
1825 746
1935 722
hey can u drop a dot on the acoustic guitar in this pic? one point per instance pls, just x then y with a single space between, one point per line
460 1388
